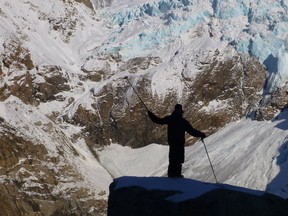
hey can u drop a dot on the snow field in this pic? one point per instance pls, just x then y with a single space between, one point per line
242 154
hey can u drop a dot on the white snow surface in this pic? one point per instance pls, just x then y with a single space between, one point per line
247 153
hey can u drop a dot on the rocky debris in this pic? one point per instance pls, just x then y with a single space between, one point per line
98 68
55 82
16 57
19 76
15 73
66 24
140 63
136 199
272 104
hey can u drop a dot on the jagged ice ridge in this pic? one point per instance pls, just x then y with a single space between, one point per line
258 28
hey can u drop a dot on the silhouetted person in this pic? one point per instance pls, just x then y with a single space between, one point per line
177 126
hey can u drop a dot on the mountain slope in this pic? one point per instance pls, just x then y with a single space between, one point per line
62 91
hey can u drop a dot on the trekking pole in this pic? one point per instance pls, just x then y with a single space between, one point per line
136 93
209 160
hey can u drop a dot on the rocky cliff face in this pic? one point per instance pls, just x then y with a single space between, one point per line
32 179
224 91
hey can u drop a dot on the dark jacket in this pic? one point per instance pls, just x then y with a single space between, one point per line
177 126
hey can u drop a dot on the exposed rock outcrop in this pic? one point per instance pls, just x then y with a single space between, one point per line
272 104
32 178
223 92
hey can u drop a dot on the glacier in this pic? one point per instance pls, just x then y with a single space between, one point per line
257 28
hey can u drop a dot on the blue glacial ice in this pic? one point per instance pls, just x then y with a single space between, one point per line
150 9
226 9
265 30
172 16
269 41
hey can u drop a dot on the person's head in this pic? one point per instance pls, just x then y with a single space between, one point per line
178 109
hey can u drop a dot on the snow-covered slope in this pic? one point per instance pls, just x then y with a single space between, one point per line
247 153
34 126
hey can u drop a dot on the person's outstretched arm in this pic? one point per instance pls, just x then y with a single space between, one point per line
193 132
156 119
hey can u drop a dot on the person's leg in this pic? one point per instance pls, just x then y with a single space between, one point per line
170 170
174 169
176 158
178 168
